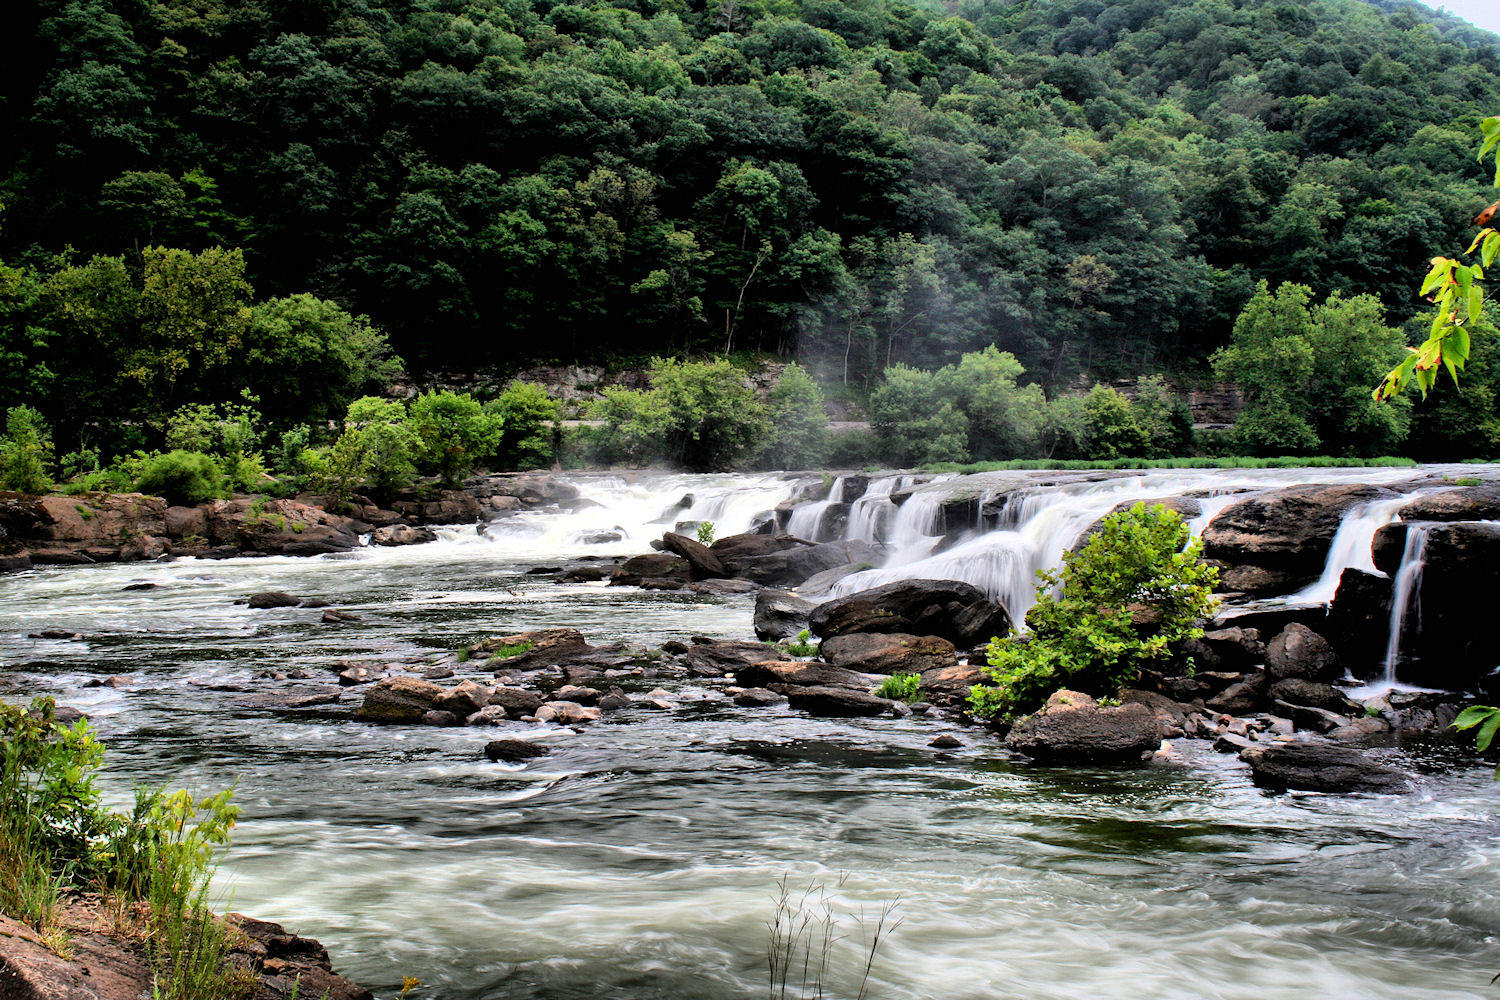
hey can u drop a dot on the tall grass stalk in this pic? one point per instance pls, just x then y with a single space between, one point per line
804 928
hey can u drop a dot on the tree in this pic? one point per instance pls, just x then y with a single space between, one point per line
1004 418
713 417
798 429
526 414
455 433
1111 430
376 446
913 423
194 309
25 452
1270 358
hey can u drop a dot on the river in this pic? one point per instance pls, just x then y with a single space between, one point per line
640 859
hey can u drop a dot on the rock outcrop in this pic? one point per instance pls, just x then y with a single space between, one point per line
959 612
1321 767
1073 729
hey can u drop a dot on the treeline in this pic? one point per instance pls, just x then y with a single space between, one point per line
1087 186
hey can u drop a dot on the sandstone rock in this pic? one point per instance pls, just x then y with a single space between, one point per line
278 527
614 701
439 718
399 699
401 534
537 648
1072 728
573 692
714 659
889 653
1302 653
779 673
516 701
790 567
705 565
780 615
566 713
340 617
489 715
956 611
946 742
719 588
1464 503
1322 767
949 686
658 569
465 699
837 702
758 697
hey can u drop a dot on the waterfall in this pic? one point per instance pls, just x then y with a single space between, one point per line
807 519
1407 586
870 513
1351 547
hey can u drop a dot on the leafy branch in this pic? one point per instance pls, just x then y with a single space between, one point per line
1457 290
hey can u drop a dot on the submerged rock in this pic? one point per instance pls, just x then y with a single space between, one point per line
780 673
839 702
1072 728
1321 767
273 599
514 751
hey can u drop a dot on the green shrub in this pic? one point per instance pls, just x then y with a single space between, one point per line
803 646
1111 428
900 687
25 452
377 447
705 532
526 414
1127 599
853 449
455 433
697 414
798 432
182 477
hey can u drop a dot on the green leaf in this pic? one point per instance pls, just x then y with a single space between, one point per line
1476 303
1487 733
1473 716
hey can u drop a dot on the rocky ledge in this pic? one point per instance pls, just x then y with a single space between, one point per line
103 965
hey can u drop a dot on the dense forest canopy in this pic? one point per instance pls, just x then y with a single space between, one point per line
1093 187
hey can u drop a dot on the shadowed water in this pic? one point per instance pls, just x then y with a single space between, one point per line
639 859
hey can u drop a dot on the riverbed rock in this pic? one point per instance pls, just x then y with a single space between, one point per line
438 506
402 534
1463 503
1241 697
513 751
567 713
275 527
533 649
1300 691
516 701
732 548
714 659
956 611
1232 649
950 686
777 674
465 699
92 527
1358 621
705 565
820 584
889 652
1277 542
790 567
1321 767
1072 728
657 570
273 599
1300 652
837 702
780 615
399 699
758 697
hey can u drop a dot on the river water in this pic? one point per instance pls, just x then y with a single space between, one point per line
640 859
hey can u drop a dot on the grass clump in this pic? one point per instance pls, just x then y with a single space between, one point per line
56 839
1127 599
803 645
900 687
510 650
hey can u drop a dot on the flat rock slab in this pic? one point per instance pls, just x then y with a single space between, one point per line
1322 767
838 702
1073 729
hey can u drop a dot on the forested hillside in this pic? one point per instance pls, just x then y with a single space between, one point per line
1091 186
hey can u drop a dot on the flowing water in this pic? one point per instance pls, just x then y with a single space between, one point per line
639 860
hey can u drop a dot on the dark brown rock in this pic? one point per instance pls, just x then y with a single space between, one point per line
956 611
889 653
705 565
838 702
658 569
273 599
1300 652
780 615
514 751
780 673
714 659
1072 728
1322 767
399 699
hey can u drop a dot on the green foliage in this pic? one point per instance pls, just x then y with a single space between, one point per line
526 414
228 432
797 437
803 645
1127 599
1306 371
183 478
508 650
900 687
376 447
697 414
1110 427
1486 720
454 431
25 452
913 423
705 532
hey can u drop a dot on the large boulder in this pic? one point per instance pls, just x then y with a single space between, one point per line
1300 652
1321 767
1073 729
838 702
889 652
705 565
752 545
776 674
1358 621
714 659
443 507
780 615
1277 542
1447 641
950 686
400 699
1464 503
278 527
531 650
91 527
654 569
957 611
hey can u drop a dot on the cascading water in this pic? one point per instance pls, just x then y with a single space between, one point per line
807 519
869 514
1351 547
1405 596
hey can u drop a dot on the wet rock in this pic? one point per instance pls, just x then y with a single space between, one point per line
489 715
1072 728
819 584
720 588
956 611
1464 503
340 617
780 673
1232 743
614 701
297 697
714 659
278 527
587 574
758 697
273 599
573 692
790 567
567 713
448 507
780 615
1321 767
950 686
1241 697
516 701
1312 718
534 649
946 742
1188 507
355 674
889 653
659 570
1285 535
54 633
732 548
1359 620
1171 717
139 586
837 702
438 673
514 751
399 699
1230 649
1297 691
402 534
705 565
465 699
439 718
1299 652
